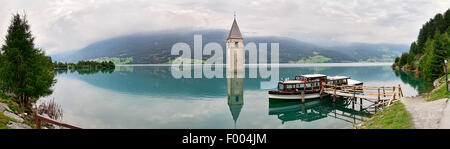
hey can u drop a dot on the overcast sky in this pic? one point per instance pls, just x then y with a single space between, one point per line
65 25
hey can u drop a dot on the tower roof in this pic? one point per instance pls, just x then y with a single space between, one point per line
235 110
235 33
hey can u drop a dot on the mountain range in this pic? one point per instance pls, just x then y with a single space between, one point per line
155 48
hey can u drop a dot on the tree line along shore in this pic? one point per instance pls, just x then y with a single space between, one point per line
84 65
426 59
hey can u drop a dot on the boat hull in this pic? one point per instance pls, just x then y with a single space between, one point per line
294 96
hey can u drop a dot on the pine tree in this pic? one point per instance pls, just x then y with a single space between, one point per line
447 18
25 71
403 59
442 48
425 60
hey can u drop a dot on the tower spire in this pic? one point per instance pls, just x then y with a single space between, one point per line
235 33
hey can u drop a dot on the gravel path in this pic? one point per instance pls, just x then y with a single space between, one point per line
426 115
445 121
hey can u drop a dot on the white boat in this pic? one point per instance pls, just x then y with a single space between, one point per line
303 87
307 86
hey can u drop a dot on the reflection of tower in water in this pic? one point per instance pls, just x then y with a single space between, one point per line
235 87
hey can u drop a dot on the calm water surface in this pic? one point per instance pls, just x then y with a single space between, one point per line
147 96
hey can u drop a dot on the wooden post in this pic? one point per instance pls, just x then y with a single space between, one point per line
360 104
378 93
334 94
354 94
38 121
303 97
353 104
384 92
393 89
399 90
321 92
375 105
393 96
304 86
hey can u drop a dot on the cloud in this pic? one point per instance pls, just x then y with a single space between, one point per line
65 25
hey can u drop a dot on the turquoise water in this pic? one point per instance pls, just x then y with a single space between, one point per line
147 96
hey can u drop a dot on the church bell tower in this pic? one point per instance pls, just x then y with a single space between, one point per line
235 52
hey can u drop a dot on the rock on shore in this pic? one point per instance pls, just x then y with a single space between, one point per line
19 120
13 116
15 125
4 107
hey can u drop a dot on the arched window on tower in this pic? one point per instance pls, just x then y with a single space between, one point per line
236 44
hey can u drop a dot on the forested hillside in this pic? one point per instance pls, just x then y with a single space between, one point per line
154 48
427 54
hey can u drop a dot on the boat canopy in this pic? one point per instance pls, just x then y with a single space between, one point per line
313 75
292 82
334 78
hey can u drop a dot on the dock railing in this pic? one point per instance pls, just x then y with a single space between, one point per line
40 118
383 95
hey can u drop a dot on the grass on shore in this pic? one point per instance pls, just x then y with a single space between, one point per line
3 121
394 117
439 93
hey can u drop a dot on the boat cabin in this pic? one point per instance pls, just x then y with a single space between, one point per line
290 85
313 81
306 83
338 80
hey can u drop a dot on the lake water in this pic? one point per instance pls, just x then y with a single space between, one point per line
147 96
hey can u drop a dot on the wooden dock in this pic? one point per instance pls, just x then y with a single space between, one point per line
380 96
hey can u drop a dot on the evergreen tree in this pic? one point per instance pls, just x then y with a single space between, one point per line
447 18
411 56
403 59
25 71
442 48
425 60
432 62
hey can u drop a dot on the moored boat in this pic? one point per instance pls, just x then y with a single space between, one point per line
303 86
308 86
